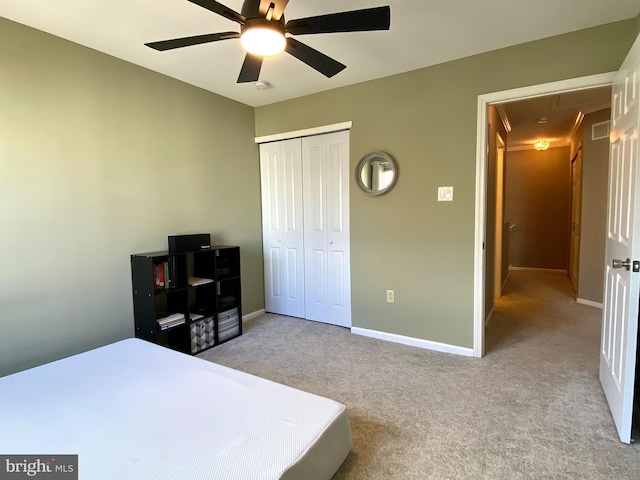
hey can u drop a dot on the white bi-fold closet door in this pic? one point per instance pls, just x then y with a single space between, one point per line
305 225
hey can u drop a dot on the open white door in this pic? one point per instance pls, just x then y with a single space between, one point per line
622 280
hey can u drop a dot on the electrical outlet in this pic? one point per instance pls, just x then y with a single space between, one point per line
391 296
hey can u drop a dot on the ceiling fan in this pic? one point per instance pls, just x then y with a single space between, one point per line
263 29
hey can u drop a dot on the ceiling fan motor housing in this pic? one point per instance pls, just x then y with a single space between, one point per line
251 9
277 25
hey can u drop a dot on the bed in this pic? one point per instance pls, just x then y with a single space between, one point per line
135 410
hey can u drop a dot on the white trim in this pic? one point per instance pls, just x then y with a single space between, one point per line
480 215
413 342
589 303
572 84
252 315
532 147
503 116
575 127
534 269
551 88
336 127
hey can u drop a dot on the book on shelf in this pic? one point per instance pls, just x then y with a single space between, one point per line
196 281
162 275
195 316
158 276
171 320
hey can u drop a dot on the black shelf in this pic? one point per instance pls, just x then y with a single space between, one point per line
161 287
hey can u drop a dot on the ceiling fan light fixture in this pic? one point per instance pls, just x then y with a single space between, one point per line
264 39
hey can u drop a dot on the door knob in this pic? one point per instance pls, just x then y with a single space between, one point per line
622 263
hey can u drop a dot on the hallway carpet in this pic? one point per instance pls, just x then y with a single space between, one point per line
532 408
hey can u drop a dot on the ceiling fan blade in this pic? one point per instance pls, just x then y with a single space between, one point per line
220 9
315 59
378 18
188 41
278 10
250 69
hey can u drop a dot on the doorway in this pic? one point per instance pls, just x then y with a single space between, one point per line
480 266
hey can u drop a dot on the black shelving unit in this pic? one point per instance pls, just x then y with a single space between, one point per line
188 301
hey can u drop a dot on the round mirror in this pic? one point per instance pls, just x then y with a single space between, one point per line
376 173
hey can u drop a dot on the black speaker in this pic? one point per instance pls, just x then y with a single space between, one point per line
189 243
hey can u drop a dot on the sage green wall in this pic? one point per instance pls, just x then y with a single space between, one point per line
100 159
426 119
593 224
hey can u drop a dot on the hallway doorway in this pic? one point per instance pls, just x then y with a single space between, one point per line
485 265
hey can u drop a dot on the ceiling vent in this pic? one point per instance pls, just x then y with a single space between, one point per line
600 130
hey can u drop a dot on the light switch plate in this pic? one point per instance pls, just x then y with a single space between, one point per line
445 194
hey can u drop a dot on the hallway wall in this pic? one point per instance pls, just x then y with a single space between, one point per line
495 127
595 161
538 203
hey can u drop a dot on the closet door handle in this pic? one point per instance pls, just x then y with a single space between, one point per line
330 242
279 239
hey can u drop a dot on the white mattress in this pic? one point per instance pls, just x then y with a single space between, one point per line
134 410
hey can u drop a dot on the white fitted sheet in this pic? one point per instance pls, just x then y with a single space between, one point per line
134 410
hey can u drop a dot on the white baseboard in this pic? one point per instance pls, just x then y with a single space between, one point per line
533 269
589 303
252 315
414 342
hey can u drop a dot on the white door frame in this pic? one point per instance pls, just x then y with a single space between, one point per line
573 84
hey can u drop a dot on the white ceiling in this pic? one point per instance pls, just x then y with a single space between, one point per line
422 33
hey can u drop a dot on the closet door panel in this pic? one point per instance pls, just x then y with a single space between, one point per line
339 273
282 227
294 279
338 189
326 192
316 295
273 283
314 193
314 168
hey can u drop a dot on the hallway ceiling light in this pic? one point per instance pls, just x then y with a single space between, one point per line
541 145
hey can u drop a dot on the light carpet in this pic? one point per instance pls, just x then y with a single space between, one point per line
532 408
